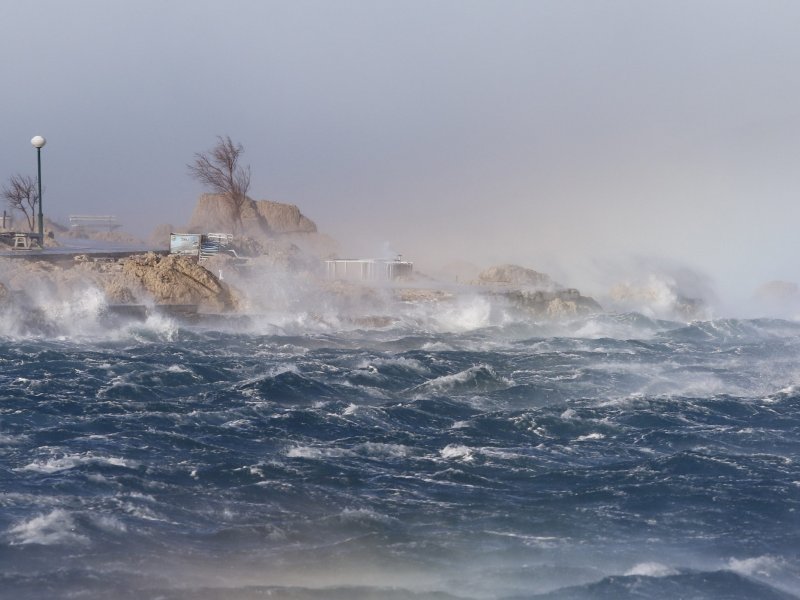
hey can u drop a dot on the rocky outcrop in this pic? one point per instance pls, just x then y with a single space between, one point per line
284 218
516 276
259 219
170 280
213 212
553 304
536 293
138 279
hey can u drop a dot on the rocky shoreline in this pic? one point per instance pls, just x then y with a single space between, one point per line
278 274
284 282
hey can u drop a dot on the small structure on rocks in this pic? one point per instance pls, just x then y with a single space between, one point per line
201 245
368 269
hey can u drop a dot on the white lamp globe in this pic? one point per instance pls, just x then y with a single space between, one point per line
38 141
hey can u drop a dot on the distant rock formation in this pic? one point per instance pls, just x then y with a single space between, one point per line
284 218
262 222
556 304
259 219
536 293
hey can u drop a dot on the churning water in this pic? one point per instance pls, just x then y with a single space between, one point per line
612 457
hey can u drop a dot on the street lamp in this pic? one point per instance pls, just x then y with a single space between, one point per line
38 143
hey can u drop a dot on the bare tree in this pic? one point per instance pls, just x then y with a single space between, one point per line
220 170
22 194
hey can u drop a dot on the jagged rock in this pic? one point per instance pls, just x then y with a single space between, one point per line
175 280
515 275
553 304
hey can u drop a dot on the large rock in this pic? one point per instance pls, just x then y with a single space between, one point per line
556 304
536 293
171 280
284 218
259 219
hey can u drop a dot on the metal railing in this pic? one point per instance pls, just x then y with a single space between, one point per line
94 221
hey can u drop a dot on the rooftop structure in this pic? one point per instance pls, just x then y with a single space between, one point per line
368 269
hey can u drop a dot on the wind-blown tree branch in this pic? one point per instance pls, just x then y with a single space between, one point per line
219 169
22 194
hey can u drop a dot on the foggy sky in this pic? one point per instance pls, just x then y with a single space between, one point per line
554 133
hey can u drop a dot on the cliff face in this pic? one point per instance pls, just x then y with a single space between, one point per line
259 219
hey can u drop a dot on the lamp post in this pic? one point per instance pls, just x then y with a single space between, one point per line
38 142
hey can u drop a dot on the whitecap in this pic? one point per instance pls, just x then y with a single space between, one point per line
456 451
311 452
365 514
757 565
70 461
110 524
381 449
56 527
651 569
479 377
12 440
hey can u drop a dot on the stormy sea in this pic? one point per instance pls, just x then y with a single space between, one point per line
612 456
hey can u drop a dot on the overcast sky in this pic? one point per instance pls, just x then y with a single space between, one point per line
550 133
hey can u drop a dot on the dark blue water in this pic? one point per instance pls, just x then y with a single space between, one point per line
648 460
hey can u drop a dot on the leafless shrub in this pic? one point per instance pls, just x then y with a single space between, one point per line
22 194
220 170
